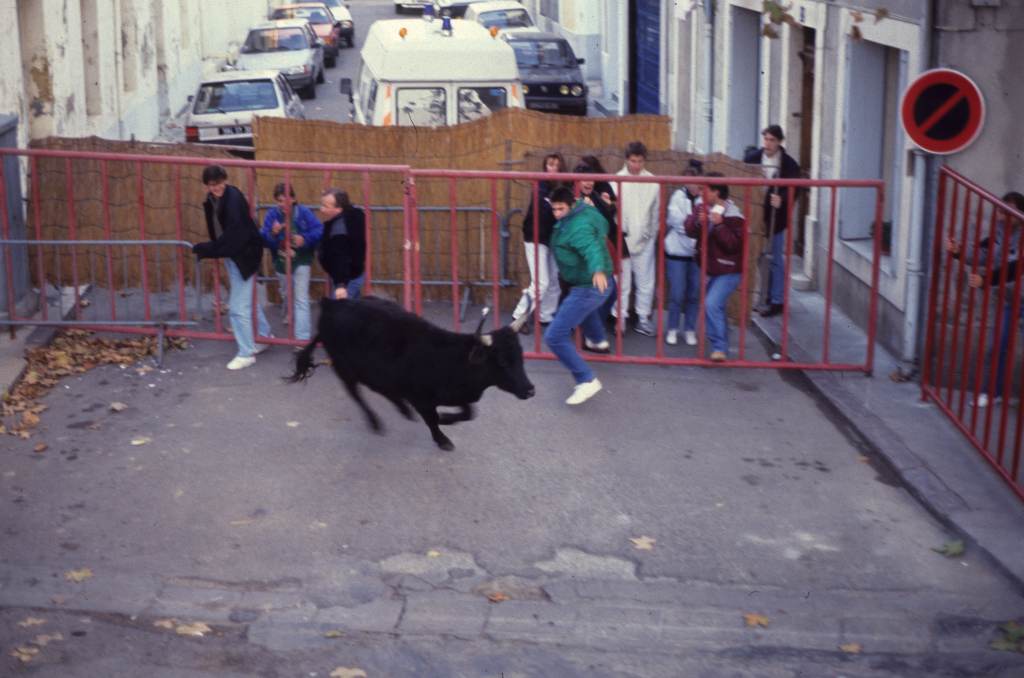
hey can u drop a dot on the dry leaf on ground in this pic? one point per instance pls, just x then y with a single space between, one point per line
292 424
44 639
851 648
118 407
25 653
31 621
196 629
433 553
40 448
497 597
343 672
951 549
333 633
78 575
165 623
754 620
643 543
141 440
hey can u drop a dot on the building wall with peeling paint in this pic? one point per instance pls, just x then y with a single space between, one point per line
111 68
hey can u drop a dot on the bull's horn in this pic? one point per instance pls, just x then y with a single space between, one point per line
483 317
518 323
486 339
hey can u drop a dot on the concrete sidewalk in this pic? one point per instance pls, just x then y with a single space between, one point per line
932 458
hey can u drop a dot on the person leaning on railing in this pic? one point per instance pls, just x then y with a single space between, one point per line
343 246
1006 236
234 238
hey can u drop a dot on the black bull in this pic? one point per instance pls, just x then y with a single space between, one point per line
412 362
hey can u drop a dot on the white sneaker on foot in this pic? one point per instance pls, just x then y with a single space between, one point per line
672 337
241 362
691 337
984 401
583 392
597 346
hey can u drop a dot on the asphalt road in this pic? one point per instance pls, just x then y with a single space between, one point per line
306 543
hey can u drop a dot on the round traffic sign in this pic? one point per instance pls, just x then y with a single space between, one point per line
942 111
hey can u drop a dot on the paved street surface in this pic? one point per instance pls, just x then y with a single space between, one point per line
307 544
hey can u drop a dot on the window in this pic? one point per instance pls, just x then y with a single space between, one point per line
422 106
275 40
513 18
476 102
543 53
230 97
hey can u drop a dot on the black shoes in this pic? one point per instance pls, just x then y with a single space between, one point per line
771 310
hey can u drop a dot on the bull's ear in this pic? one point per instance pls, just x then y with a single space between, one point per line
486 339
483 317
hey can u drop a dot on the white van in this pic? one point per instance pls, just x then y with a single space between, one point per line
418 73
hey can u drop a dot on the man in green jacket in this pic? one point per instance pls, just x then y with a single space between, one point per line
579 243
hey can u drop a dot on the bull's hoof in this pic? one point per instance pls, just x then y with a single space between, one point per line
445 445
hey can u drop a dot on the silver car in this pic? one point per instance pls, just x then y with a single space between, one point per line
289 46
223 107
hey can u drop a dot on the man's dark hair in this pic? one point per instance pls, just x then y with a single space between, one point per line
584 169
594 163
340 197
694 168
775 131
281 189
721 189
636 148
1014 200
562 195
214 173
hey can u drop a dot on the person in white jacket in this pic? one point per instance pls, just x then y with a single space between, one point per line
640 203
682 269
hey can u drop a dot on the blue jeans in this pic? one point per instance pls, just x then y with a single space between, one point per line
579 308
777 283
683 288
1003 348
300 290
354 288
720 288
240 311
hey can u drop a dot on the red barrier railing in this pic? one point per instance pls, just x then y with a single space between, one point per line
974 319
449 261
751 213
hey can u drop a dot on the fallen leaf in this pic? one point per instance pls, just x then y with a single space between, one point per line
433 553
643 543
497 597
1007 645
753 620
951 549
31 621
196 629
145 369
1013 630
292 424
333 633
29 420
24 653
343 672
141 440
851 648
78 575
57 600
165 623
178 493
40 447
118 407
44 639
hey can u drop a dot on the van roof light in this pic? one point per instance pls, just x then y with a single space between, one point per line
494 31
402 32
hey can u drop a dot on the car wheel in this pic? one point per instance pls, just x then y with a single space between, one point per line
309 91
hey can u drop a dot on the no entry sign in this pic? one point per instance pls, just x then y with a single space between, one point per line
942 111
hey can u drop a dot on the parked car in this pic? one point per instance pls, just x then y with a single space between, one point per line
321 18
501 14
550 71
289 46
222 109
455 8
344 17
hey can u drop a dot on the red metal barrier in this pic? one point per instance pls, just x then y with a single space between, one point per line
493 249
656 354
961 371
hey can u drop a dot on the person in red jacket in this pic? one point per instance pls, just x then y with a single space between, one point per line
723 260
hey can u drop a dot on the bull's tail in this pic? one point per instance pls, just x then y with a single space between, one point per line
304 364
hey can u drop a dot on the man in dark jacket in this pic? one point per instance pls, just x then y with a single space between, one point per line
776 164
234 238
343 246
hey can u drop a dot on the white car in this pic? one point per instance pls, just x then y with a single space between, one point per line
505 15
343 16
222 109
289 46
456 8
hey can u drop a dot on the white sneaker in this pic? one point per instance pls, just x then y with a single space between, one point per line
241 362
260 348
583 392
984 401
672 338
691 337
597 347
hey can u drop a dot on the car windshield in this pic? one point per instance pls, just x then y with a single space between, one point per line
275 40
241 95
313 15
332 3
512 18
543 54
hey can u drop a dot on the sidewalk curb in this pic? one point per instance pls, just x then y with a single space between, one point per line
988 536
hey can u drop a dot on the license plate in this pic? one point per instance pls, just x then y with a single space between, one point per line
542 104
239 129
